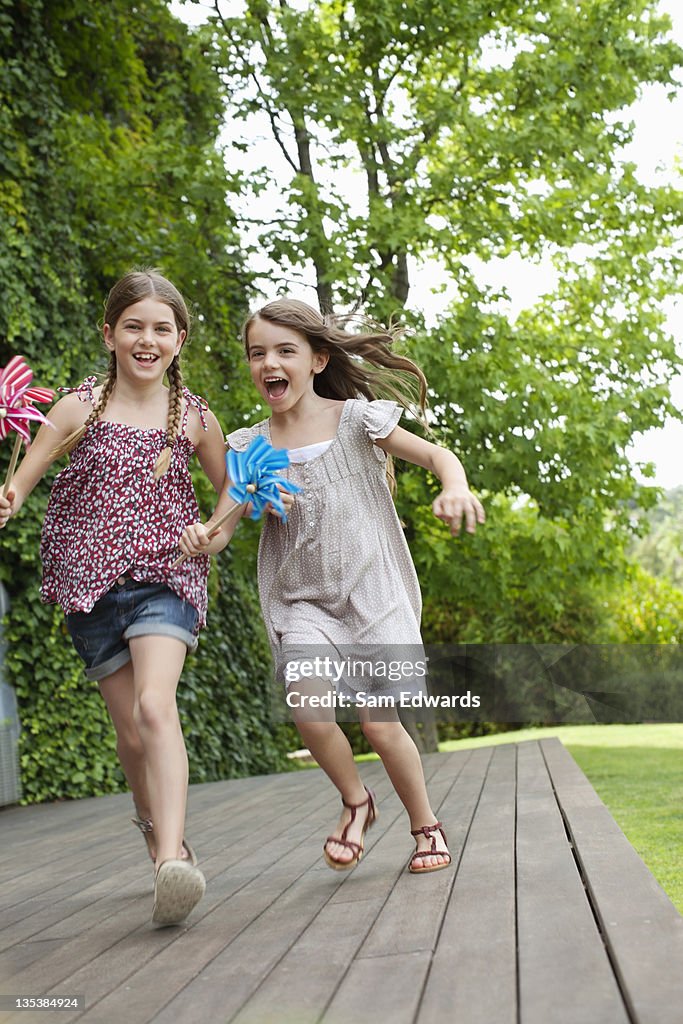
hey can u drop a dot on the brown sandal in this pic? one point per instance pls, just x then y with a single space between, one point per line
146 827
356 848
432 852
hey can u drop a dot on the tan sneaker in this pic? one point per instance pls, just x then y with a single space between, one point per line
178 888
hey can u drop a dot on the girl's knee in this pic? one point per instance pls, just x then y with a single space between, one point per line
315 731
379 734
154 711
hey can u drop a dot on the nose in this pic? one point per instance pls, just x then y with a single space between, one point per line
270 360
147 335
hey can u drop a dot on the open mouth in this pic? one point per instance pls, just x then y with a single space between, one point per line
146 358
276 386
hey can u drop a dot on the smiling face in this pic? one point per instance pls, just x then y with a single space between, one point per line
282 363
144 339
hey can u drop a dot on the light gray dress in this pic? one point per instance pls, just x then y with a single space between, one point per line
338 574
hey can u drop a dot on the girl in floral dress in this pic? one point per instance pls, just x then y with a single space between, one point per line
109 543
337 578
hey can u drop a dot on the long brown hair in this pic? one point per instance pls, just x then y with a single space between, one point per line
360 364
131 288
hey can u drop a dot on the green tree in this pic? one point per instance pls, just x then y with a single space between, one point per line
441 131
647 610
660 550
109 117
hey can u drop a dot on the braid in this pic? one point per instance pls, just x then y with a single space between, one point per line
175 406
70 442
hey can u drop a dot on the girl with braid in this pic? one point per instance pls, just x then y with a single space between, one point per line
109 541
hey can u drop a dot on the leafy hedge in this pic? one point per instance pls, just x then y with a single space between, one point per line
109 159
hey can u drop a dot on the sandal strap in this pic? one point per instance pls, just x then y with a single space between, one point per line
421 854
355 847
425 831
352 808
144 824
369 802
369 799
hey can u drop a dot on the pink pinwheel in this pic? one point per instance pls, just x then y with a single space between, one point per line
16 399
16 407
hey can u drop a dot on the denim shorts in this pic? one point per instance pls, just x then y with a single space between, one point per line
128 610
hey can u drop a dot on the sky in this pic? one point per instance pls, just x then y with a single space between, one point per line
656 145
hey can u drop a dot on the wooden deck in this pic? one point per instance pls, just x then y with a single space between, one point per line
547 916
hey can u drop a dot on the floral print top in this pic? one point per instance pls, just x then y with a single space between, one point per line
107 515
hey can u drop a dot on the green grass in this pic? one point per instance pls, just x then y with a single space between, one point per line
637 771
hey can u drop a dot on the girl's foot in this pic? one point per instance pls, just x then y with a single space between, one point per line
344 848
178 888
147 828
432 849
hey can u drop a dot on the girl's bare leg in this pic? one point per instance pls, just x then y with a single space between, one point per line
331 749
402 761
119 695
157 663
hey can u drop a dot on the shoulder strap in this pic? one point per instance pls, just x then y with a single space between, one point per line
84 390
200 404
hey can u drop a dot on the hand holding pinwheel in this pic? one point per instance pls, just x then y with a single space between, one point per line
16 408
254 478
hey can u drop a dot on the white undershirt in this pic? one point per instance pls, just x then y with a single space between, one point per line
309 451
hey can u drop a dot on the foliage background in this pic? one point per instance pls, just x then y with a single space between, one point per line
405 135
109 159
494 132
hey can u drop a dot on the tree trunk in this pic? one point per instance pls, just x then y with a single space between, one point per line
423 733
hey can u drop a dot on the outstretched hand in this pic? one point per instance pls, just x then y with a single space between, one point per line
457 504
6 508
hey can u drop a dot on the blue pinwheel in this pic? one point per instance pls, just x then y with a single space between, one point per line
254 477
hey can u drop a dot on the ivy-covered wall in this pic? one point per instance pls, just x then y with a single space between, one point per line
109 117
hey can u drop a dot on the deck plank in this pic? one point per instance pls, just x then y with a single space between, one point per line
479 923
642 928
560 947
265 944
384 988
242 881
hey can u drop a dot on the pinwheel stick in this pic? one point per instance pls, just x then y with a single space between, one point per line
251 488
12 465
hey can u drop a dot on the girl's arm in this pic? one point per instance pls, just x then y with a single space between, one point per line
195 540
456 500
68 415
210 447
